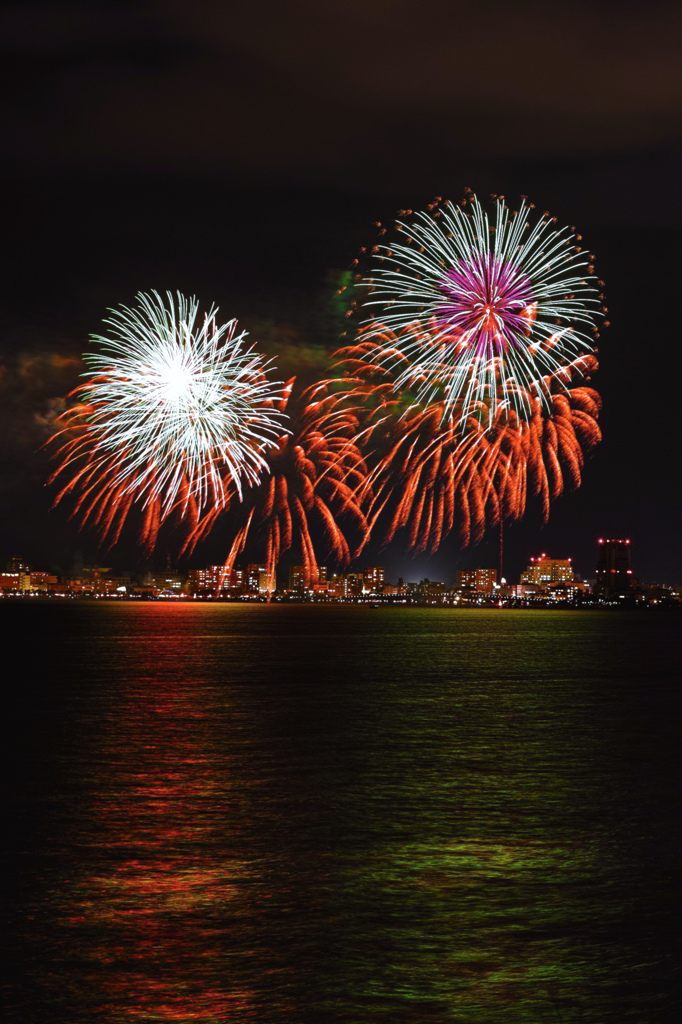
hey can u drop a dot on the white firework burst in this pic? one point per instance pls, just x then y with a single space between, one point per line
485 313
179 404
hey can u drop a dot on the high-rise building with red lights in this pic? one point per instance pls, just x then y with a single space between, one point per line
613 566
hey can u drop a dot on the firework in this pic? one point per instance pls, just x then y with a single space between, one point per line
310 494
433 472
177 413
484 313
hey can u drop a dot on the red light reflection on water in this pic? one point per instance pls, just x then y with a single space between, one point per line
157 904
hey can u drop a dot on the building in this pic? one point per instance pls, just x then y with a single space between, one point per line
168 582
11 582
16 565
543 572
297 580
337 587
345 587
99 581
480 581
257 580
217 578
433 591
525 591
355 584
613 567
373 579
28 583
43 582
566 591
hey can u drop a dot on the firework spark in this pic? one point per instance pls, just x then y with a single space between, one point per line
176 413
315 474
484 313
433 472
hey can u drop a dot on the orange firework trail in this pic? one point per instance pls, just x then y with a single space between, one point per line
107 497
435 471
315 476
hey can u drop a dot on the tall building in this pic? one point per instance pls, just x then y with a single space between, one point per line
215 577
355 583
297 580
373 579
297 583
18 565
544 571
613 566
343 587
257 579
479 580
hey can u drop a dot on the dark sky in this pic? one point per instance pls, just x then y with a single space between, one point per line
242 152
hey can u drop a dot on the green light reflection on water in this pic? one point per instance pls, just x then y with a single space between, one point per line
478 886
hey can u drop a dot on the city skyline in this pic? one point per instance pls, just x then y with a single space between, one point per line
545 578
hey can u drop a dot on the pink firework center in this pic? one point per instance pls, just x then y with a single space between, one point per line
490 306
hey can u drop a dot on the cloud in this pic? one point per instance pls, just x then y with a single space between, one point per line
370 92
569 58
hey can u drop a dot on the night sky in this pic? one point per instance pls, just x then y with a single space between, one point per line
242 152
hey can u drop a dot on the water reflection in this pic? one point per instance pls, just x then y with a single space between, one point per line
262 814
159 888
470 928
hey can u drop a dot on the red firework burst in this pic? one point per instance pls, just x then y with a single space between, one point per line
316 474
435 471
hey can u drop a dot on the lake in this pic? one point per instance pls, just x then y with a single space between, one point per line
313 814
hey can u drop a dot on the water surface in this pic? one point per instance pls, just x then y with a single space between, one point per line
317 814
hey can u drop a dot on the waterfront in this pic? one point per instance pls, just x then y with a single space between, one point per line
329 813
